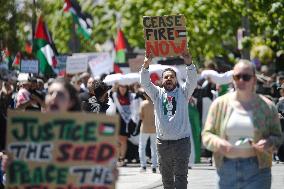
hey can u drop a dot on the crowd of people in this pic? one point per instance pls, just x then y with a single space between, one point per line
240 117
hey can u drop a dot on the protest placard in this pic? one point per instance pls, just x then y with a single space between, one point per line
135 64
165 35
61 64
61 151
29 66
76 64
101 63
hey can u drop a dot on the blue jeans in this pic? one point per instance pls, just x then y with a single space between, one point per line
143 138
243 173
173 162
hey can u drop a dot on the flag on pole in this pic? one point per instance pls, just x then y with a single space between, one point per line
42 47
17 61
83 21
120 48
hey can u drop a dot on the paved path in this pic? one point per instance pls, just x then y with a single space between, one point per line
201 176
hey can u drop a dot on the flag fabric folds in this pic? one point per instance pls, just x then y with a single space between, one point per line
17 61
120 48
42 47
83 21
195 123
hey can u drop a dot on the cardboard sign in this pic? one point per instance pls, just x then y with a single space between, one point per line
29 66
136 63
61 151
76 64
165 35
102 63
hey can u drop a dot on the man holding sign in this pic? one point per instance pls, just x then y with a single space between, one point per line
171 120
165 35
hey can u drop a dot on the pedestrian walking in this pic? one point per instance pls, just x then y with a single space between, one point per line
172 121
147 130
243 130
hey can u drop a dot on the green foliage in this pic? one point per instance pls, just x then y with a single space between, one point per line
211 25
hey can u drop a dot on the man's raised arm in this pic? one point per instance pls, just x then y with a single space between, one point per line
191 75
145 81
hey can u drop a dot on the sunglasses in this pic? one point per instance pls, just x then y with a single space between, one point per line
244 77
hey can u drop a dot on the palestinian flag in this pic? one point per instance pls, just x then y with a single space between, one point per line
83 21
106 129
120 48
42 47
17 61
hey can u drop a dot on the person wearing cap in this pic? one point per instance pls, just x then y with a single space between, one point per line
171 120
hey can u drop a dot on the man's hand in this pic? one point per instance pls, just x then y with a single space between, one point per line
187 57
148 58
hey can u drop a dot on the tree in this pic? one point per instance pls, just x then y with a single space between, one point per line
211 25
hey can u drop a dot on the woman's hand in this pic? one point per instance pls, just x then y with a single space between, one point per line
224 146
262 146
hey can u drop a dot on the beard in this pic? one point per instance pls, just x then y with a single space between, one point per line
169 86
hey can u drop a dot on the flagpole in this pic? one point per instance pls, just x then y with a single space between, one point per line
75 43
33 19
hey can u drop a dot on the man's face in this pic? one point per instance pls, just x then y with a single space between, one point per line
169 80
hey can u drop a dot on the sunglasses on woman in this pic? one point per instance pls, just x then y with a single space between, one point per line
244 77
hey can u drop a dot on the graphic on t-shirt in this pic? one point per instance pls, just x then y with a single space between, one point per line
169 105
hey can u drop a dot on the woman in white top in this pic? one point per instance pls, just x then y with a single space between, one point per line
243 129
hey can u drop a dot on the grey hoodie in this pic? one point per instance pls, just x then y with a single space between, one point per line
171 107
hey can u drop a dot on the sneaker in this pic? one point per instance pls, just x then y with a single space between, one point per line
121 163
154 170
143 169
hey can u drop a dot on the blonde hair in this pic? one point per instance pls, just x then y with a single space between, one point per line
248 63
252 66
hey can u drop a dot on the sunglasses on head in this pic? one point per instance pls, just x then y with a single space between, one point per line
244 77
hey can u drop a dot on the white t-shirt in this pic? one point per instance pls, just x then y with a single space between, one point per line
240 128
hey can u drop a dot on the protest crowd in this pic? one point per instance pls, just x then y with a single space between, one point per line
92 95
170 116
